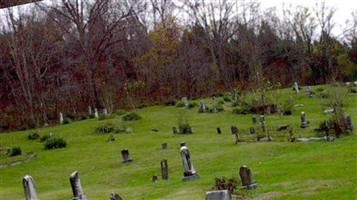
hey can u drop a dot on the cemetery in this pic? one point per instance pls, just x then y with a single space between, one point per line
186 152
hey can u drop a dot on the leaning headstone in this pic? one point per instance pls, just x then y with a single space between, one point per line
164 170
246 177
96 115
296 87
30 188
61 118
126 156
190 172
304 122
219 130
254 119
105 111
77 190
174 130
115 196
218 195
185 101
202 107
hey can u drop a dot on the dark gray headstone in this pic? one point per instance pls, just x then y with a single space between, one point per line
219 130
115 196
77 190
126 156
246 177
164 170
218 195
262 122
30 188
154 178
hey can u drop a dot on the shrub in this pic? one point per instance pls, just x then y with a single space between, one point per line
44 138
91 116
216 108
223 183
105 128
227 98
235 104
55 143
66 120
184 126
131 117
353 89
320 89
192 104
101 116
15 151
180 104
220 102
170 103
119 112
33 136
288 106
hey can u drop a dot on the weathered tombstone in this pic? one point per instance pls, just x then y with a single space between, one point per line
262 122
268 110
164 170
219 130
105 111
115 196
30 188
174 130
154 178
202 107
164 145
254 119
96 115
218 195
185 101
304 122
308 91
246 177
329 111
51 135
126 156
77 190
190 172
90 111
251 130
348 121
234 131
296 87
326 129
61 118
291 135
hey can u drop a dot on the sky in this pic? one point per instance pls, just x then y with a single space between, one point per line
343 12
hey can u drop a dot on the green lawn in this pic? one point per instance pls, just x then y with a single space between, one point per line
283 170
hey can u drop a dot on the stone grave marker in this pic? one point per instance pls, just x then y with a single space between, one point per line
218 195
105 112
304 122
154 178
308 91
348 121
185 100
96 115
164 170
202 107
234 131
262 122
77 190
219 130
90 111
246 177
61 118
126 156
164 145
296 87
30 188
190 172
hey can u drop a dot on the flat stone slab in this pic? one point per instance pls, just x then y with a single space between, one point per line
190 178
218 195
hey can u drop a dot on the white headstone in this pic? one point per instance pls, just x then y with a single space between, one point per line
30 188
96 113
89 110
105 111
296 87
61 118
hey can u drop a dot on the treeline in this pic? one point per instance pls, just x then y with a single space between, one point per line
124 54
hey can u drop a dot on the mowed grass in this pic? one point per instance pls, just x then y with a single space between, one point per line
283 170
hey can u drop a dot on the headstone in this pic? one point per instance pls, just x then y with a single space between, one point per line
61 118
304 122
296 87
348 84
328 111
308 91
190 172
164 170
126 156
90 111
30 188
218 195
202 106
185 101
234 131
77 190
154 178
219 130
262 122
115 196
164 145
251 130
96 115
246 177
174 130
355 83
254 119
105 111
348 121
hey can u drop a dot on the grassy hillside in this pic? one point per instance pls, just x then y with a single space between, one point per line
283 170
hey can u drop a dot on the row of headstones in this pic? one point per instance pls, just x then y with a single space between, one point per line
96 115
